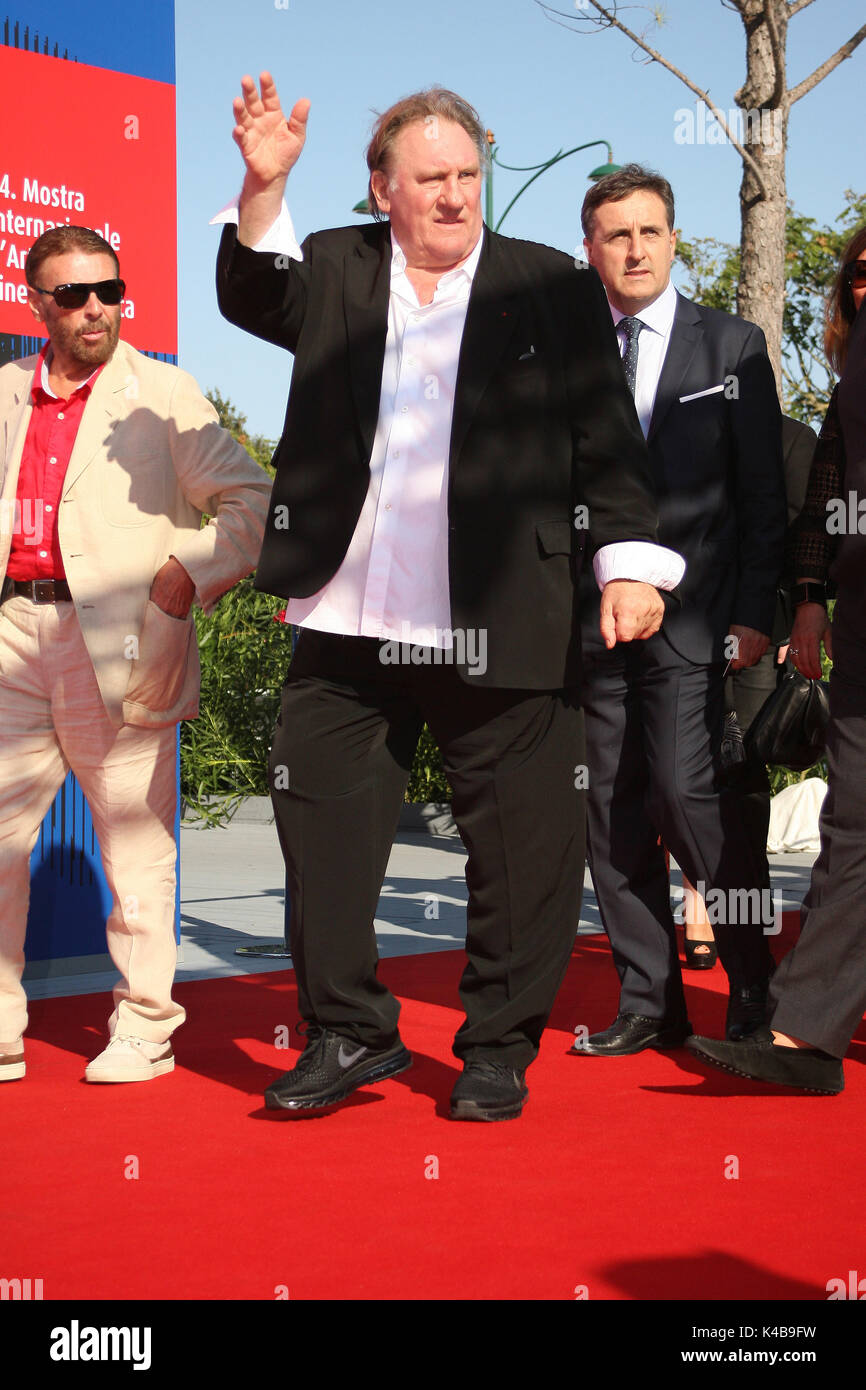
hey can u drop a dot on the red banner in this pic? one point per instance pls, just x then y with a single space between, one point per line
97 149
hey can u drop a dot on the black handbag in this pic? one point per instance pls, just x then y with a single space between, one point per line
790 728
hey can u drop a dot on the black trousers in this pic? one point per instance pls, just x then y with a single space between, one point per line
820 987
653 735
340 761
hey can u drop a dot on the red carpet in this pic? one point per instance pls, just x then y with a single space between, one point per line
613 1179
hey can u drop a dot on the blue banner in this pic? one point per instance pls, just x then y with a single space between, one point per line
134 36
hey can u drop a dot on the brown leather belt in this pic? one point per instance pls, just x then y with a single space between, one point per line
38 590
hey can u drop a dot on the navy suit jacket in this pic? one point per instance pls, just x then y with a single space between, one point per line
715 443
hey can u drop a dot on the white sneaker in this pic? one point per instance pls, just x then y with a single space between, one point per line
12 1060
130 1059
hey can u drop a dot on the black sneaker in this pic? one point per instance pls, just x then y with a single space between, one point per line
488 1091
330 1068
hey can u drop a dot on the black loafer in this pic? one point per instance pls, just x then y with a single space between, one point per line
330 1068
761 1059
748 1010
631 1033
488 1091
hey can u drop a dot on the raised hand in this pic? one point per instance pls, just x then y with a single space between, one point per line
270 144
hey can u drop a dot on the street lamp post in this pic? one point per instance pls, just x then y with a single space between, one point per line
536 170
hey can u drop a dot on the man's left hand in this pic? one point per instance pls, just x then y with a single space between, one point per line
748 648
630 610
172 589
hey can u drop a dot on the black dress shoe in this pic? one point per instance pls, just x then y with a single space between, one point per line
488 1091
330 1068
748 1010
632 1033
762 1059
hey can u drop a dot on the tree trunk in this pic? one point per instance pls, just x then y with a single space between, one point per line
763 100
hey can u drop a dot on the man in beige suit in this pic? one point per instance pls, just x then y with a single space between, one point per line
107 461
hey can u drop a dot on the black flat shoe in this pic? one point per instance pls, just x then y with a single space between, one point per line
761 1059
630 1033
700 955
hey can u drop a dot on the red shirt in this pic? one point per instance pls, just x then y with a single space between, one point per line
51 434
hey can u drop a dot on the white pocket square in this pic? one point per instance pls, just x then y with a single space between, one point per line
696 395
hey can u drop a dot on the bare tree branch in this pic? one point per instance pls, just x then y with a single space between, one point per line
808 364
826 67
795 6
612 22
778 51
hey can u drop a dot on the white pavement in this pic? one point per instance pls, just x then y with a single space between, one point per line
232 894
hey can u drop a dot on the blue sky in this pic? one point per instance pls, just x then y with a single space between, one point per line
538 86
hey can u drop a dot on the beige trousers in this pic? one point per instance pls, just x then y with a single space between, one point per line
52 719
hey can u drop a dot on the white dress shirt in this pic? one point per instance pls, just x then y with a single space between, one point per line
393 581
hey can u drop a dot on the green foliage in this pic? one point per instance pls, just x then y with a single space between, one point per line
244 658
782 777
428 781
811 255
714 272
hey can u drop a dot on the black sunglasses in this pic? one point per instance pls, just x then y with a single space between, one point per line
855 272
76 296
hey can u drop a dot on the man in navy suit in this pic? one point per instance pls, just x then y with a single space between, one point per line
706 400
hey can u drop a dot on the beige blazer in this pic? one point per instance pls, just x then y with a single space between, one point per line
149 459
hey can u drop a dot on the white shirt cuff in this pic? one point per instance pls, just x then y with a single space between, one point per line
653 564
280 237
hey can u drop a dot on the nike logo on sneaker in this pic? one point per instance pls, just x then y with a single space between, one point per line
347 1059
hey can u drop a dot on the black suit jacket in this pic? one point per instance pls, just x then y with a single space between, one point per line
715 447
798 449
543 424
